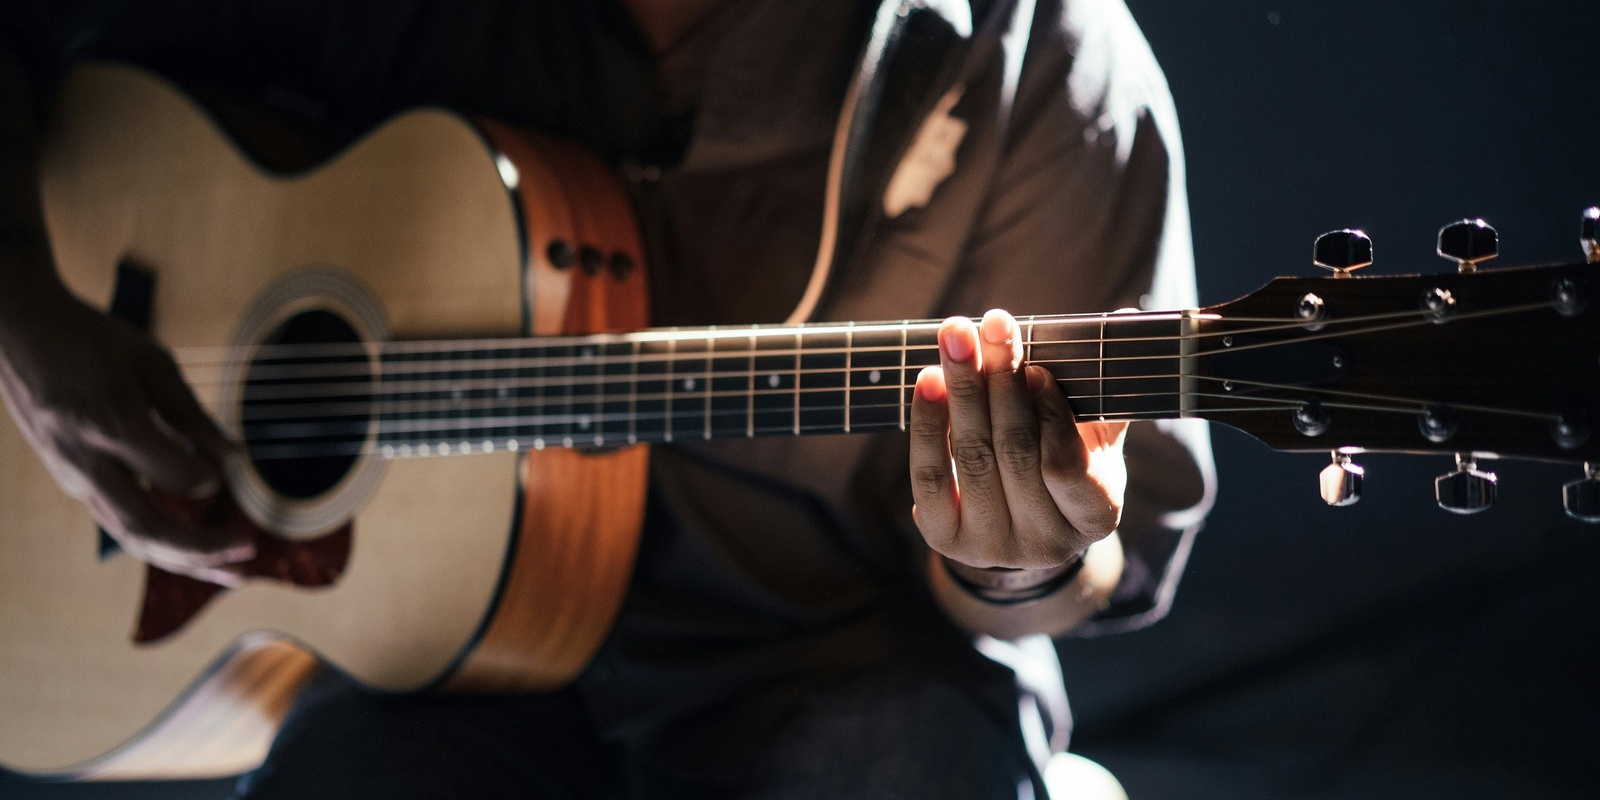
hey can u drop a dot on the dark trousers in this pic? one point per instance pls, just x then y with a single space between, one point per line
878 737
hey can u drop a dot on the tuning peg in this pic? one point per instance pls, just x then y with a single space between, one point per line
1467 490
1468 242
1581 498
1590 235
1343 251
1341 481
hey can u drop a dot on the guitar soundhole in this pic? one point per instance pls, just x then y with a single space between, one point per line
307 406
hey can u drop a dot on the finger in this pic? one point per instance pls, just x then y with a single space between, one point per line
177 405
1087 504
983 505
147 444
127 511
1015 433
933 484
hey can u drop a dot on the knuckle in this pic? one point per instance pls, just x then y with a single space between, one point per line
1063 463
930 481
973 456
928 426
1054 413
964 387
1017 450
1102 522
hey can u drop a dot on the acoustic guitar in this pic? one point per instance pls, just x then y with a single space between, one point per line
434 349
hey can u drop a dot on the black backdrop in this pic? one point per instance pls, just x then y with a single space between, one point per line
1388 649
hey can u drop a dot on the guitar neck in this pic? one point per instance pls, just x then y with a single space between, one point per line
678 384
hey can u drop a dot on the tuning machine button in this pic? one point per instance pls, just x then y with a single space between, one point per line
1468 242
1340 481
1467 490
1581 498
1343 251
1590 235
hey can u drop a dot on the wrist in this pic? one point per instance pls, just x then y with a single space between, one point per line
1007 586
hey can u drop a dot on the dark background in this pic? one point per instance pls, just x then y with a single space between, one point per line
1389 649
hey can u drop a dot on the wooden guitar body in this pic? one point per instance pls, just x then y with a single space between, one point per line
498 572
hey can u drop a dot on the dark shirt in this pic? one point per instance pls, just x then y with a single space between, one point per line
769 568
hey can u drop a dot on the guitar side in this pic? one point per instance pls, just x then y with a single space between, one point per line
479 573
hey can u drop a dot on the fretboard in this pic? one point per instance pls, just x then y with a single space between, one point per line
675 385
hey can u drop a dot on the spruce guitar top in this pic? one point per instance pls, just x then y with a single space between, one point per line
434 349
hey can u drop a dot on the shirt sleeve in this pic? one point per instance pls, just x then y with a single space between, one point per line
1088 213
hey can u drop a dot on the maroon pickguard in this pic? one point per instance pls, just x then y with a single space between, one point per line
171 600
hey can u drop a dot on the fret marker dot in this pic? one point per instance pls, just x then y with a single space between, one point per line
538 444
464 448
405 451
874 376
423 449
773 380
566 441
583 422
488 447
688 384
599 440
388 451
502 392
513 445
588 352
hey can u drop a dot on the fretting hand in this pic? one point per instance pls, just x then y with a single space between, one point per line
1001 472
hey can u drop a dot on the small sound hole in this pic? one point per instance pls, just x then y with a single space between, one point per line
307 404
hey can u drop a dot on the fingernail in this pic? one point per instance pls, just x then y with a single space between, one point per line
930 385
957 345
995 328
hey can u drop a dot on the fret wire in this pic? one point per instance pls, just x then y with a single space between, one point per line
849 341
710 351
901 392
672 381
599 404
1102 362
750 383
797 344
633 396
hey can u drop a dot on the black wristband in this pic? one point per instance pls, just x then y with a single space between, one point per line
1004 587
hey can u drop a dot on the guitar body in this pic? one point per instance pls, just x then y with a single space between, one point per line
493 573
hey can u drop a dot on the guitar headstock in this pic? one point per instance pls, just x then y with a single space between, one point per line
1479 363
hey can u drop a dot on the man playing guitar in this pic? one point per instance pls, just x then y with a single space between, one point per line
800 618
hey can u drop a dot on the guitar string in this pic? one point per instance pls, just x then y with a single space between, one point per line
701 416
718 333
380 408
601 361
535 440
391 388
610 386
300 412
